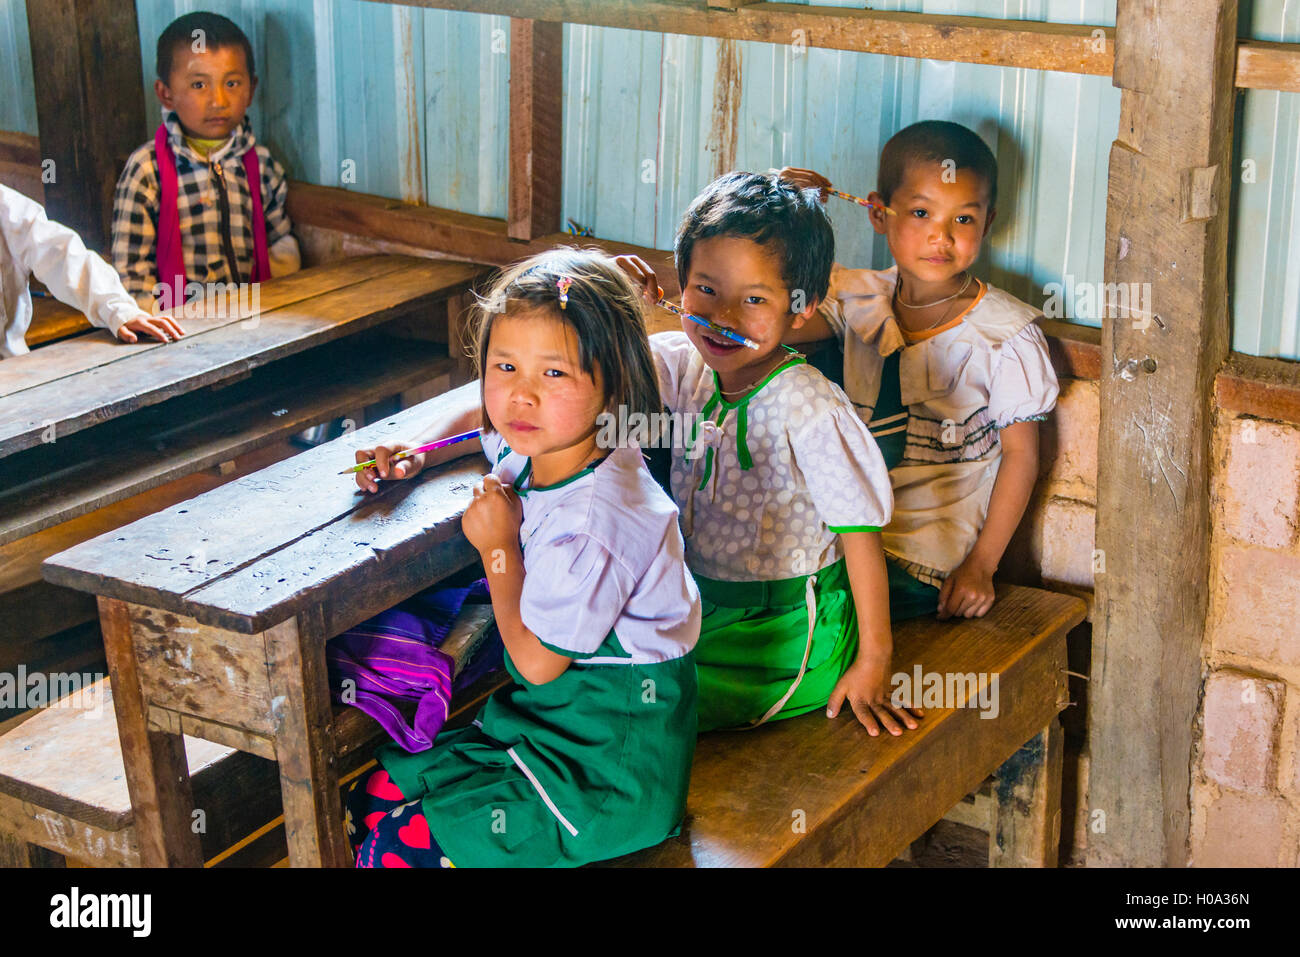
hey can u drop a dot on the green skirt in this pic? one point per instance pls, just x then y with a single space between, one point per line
592 765
754 658
909 597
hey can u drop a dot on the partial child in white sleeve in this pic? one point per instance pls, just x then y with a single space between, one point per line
951 375
33 245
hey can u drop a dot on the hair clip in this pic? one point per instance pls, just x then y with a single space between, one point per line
564 282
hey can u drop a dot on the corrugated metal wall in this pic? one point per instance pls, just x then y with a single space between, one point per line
412 104
1265 230
17 93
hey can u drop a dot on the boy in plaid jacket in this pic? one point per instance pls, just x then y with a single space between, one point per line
207 227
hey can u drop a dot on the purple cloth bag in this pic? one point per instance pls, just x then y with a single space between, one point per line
394 656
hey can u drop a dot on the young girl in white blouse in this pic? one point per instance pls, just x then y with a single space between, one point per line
781 488
950 373
587 754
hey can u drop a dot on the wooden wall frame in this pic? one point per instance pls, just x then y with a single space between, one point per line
1060 47
89 106
1166 225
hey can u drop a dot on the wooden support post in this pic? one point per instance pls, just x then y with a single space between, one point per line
89 106
1026 825
304 742
157 774
1167 234
536 86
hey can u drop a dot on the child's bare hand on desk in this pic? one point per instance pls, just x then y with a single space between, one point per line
806 179
384 467
162 328
866 685
642 276
968 591
492 520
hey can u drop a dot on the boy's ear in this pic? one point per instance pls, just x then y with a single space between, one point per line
804 314
877 212
988 223
164 93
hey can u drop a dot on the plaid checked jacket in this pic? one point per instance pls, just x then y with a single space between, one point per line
207 240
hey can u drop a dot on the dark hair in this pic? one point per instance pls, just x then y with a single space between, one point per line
217 32
769 211
934 141
603 310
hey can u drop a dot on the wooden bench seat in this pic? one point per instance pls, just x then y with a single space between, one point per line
63 786
53 320
808 791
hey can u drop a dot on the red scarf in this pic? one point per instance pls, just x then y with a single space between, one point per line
171 259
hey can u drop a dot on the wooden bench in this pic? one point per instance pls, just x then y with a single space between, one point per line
63 788
813 792
53 320
138 428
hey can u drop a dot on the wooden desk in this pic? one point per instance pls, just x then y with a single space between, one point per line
71 385
215 615
140 427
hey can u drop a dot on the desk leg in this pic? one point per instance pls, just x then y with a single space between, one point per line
15 852
304 743
157 774
1027 804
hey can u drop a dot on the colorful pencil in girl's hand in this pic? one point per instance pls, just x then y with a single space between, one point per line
860 201
440 444
711 326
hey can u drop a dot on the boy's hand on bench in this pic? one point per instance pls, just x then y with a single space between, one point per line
967 592
806 179
162 328
384 468
865 686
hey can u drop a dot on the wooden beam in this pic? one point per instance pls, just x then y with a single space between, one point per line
1072 48
1166 225
536 90
89 105
1264 388
476 239
1058 47
1268 66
